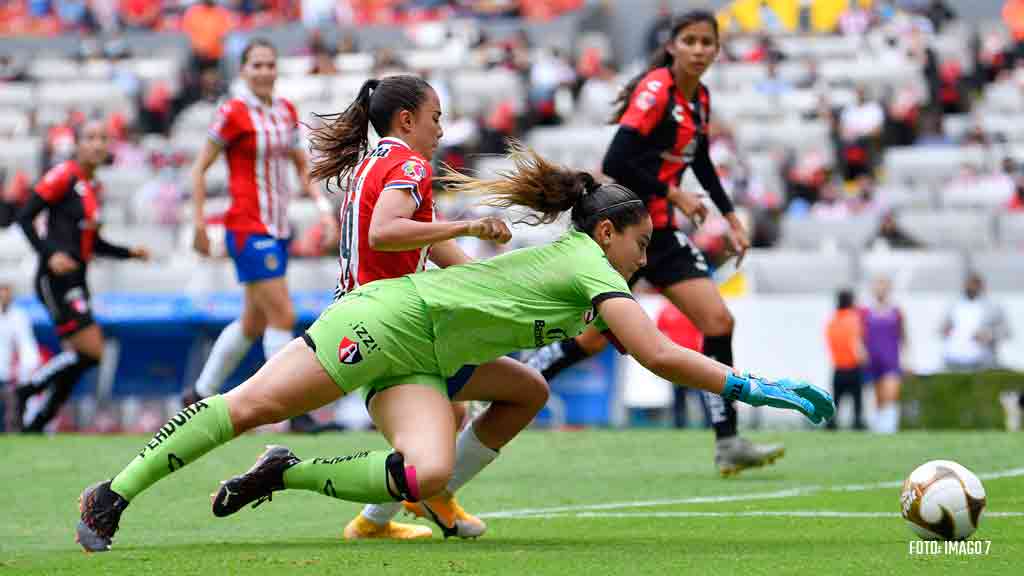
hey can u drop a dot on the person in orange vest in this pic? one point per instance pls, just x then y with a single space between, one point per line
845 336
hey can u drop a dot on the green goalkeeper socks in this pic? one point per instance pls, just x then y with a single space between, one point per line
361 477
194 431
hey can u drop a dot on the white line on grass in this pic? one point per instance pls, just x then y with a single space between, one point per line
788 493
745 513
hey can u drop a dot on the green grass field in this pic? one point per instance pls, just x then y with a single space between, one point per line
566 503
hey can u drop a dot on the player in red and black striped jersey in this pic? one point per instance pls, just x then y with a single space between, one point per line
663 130
70 196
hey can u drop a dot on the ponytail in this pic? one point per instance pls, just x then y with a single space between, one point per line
661 58
343 139
550 190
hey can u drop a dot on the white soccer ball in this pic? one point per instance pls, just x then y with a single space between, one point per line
942 500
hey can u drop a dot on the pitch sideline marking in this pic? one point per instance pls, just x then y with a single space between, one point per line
788 493
742 514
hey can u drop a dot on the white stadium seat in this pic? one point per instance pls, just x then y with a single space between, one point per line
955 229
1002 271
915 270
784 271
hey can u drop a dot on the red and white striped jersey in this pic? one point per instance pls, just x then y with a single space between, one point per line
257 140
393 166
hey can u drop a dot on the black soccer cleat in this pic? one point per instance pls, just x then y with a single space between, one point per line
101 510
265 477
189 397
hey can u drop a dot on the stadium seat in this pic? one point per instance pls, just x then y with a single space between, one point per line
158 240
123 183
959 229
51 69
14 123
291 67
475 92
784 271
312 274
576 147
1002 271
810 233
359 62
1011 230
1003 97
19 95
929 166
915 270
13 246
21 154
790 134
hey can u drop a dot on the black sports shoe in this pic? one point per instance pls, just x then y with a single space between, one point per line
190 397
265 477
18 398
101 510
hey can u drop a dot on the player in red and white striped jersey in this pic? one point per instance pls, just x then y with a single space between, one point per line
388 230
259 136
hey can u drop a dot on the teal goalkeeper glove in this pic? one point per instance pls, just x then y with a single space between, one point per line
810 400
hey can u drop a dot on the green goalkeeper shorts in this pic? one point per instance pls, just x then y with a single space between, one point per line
376 337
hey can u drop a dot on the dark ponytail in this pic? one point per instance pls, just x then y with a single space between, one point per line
660 58
549 190
344 138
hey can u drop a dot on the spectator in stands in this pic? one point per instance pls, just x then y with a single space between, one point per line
660 31
75 15
140 14
323 56
845 337
973 329
207 24
19 353
1013 16
939 13
860 126
903 111
890 235
885 337
549 72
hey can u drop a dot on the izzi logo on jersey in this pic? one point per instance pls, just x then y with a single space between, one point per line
541 337
348 352
367 341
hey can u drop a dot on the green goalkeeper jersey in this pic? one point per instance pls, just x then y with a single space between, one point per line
526 298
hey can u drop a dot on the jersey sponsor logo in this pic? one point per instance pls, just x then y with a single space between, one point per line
654 85
677 113
76 300
369 344
80 188
380 152
542 337
265 244
414 170
348 352
645 100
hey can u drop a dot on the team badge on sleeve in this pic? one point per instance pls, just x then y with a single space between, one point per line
348 352
414 170
645 100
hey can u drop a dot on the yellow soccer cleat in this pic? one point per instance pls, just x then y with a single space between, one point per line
361 528
445 511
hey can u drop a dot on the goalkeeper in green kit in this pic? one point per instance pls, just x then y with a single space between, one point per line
412 333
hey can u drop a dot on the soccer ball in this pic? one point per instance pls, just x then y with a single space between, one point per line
942 500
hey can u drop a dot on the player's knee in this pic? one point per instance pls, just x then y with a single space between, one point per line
249 411
719 323
536 390
431 477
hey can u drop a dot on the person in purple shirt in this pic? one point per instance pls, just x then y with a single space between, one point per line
884 337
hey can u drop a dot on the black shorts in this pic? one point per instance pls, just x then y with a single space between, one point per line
672 258
67 299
